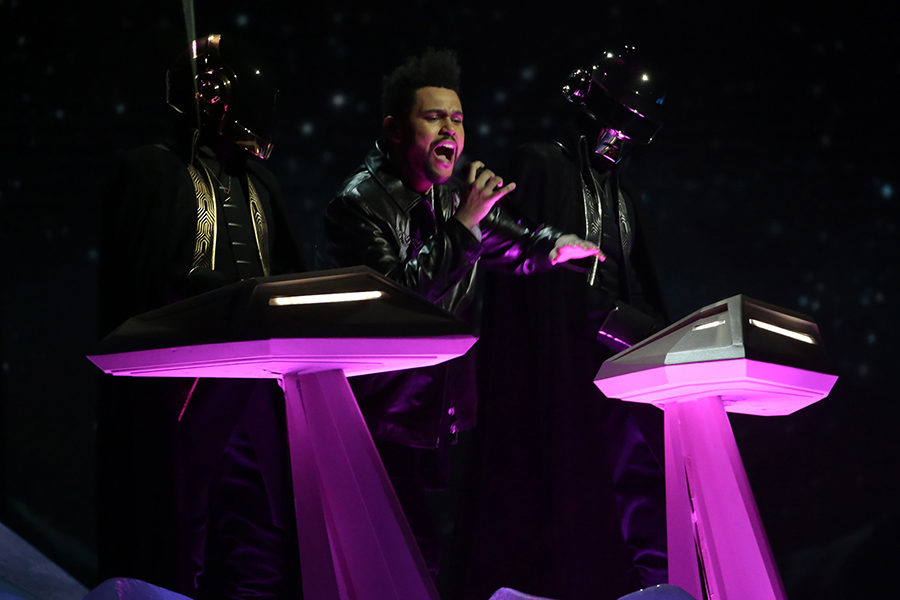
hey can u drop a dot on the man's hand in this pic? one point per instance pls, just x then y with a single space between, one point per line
570 247
485 189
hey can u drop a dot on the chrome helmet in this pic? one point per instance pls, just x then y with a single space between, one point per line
230 91
622 98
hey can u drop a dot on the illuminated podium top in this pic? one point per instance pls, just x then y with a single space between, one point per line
351 319
759 358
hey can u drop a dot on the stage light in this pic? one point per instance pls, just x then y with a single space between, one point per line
324 298
782 331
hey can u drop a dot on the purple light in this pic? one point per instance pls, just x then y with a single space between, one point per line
609 144
272 358
614 338
716 540
354 539
636 112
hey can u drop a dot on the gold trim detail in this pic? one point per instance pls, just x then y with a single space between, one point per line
205 240
207 227
260 227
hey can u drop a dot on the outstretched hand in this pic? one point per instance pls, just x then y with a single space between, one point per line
485 189
571 247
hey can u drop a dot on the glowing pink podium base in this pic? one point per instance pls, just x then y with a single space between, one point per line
716 539
355 542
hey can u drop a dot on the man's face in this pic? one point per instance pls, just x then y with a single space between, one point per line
429 139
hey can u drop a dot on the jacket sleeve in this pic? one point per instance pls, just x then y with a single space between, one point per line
516 245
357 235
548 191
521 232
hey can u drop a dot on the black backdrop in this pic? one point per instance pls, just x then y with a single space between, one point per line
774 176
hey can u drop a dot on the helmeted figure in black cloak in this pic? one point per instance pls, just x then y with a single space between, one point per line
570 498
194 483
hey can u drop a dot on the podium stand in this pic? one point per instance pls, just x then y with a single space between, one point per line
738 355
311 332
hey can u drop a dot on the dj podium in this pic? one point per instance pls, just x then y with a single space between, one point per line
738 355
311 331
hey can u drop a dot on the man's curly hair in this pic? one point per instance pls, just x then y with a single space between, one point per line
432 68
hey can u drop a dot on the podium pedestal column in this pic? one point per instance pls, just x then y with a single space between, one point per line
715 535
355 542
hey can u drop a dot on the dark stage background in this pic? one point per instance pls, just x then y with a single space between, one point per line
774 176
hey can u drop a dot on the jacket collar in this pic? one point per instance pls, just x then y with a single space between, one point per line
386 174
576 146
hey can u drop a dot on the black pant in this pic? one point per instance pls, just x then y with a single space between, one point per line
420 479
236 524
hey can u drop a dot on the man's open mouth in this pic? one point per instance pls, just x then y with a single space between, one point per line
446 151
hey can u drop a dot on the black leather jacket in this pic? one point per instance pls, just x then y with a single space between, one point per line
413 239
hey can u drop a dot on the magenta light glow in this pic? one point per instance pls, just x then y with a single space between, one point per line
354 540
272 358
717 544
615 339
635 111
